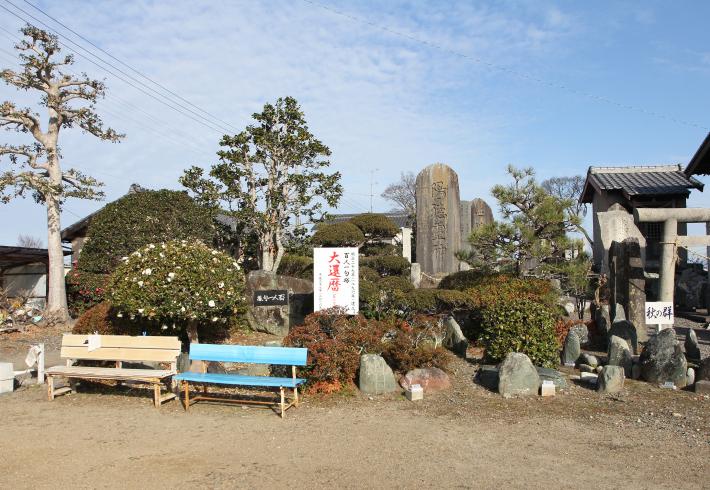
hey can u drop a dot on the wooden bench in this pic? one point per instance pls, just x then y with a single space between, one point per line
292 356
118 348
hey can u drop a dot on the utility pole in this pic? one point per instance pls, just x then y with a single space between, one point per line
372 185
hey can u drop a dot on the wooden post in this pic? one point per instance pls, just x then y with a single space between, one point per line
295 386
40 365
186 386
283 411
156 394
50 388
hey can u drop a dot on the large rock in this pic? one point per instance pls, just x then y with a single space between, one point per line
430 379
438 220
547 374
588 359
277 320
582 332
703 373
619 354
571 349
662 359
454 338
376 377
626 330
488 376
602 320
692 350
610 380
517 376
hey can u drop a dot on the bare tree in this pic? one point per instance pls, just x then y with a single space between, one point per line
569 189
403 193
35 168
29 241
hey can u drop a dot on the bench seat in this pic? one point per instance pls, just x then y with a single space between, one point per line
123 374
239 380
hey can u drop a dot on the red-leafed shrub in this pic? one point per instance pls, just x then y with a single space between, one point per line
84 290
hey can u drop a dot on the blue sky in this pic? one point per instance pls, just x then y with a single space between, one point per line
475 85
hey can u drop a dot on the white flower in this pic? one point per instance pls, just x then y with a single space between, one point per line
211 303
162 255
214 252
124 258
140 311
229 293
140 284
147 272
164 327
150 245
220 285
214 318
182 309
119 314
163 246
171 275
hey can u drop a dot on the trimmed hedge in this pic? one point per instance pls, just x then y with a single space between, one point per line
296 266
387 265
375 225
461 280
375 249
344 234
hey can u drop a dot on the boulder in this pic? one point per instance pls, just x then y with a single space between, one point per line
602 320
588 359
376 377
619 313
430 379
277 320
611 379
582 333
620 355
690 377
487 376
586 368
627 331
571 349
703 372
692 350
454 339
547 374
636 371
662 359
702 386
517 376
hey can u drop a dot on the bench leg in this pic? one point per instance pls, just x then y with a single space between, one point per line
283 404
295 395
186 387
156 395
50 388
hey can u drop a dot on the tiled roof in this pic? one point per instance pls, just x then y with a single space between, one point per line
639 181
700 163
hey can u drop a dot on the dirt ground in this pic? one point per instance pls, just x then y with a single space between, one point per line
467 437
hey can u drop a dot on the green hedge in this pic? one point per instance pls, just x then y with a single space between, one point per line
296 266
375 225
387 265
342 234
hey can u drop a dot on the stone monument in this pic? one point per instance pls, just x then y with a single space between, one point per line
438 220
481 214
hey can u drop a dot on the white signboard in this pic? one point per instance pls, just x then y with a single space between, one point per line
660 313
335 279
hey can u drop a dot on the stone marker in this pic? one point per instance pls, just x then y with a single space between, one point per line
616 224
415 274
547 388
571 349
465 212
277 320
376 377
547 374
626 330
517 376
454 339
430 379
603 320
692 350
611 379
662 359
438 220
582 333
620 355
481 214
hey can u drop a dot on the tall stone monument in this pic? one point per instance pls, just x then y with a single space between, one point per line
481 214
438 220
465 213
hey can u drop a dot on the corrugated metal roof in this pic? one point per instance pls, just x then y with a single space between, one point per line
639 181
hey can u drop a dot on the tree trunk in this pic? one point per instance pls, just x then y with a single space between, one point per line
192 332
57 299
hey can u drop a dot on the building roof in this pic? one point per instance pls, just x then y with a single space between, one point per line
15 256
637 181
700 163
400 219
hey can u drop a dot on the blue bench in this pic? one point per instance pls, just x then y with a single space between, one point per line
293 356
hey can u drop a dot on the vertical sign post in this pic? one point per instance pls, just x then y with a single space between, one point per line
335 279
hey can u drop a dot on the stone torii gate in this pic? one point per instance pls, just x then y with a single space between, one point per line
670 218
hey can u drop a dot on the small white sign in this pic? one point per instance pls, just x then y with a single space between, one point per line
660 313
335 279
94 342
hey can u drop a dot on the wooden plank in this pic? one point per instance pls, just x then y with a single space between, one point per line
167 397
136 342
120 354
61 391
109 373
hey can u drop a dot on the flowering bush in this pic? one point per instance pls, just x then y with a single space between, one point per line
84 290
180 284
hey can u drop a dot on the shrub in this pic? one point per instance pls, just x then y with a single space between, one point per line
387 265
296 266
520 325
375 249
368 274
180 285
375 225
395 283
343 234
415 344
84 290
461 280
498 287
138 219
96 319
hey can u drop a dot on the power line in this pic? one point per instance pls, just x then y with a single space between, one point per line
514 72
177 107
131 68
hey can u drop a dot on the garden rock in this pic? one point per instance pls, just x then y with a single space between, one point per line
376 377
662 359
620 355
611 379
586 368
571 349
692 350
517 376
487 376
582 333
690 377
704 370
636 371
702 386
547 374
454 339
430 379
277 320
626 330
602 320
588 359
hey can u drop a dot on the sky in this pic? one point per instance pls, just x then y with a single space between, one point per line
390 87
